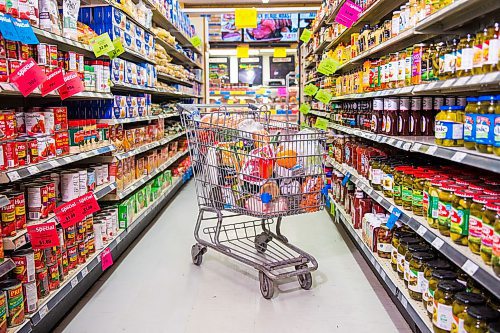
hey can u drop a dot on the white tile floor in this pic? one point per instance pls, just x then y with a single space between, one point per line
154 287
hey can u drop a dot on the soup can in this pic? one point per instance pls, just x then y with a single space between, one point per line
70 235
82 253
39 257
13 290
65 263
72 257
25 265
3 313
23 156
54 281
20 209
70 185
42 282
30 297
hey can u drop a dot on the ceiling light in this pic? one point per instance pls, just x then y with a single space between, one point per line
265 1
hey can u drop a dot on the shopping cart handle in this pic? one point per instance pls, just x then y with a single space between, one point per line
253 107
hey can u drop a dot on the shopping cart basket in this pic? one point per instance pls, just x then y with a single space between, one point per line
250 171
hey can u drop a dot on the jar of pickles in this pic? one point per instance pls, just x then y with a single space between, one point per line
461 303
433 210
460 212
412 248
444 207
402 248
478 318
396 237
477 209
384 239
449 126
438 276
375 176
407 189
470 123
490 216
418 192
495 253
442 316
430 267
388 179
485 123
416 278
398 183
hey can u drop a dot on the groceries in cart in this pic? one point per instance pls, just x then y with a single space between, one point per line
251 164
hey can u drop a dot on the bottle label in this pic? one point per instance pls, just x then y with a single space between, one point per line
417 198
394 256
416 281
412 124
477 60
450 62
425 290
475 229
376 176
449 130
469 127
459 221
496 132
442 316
430 301
425 200
485 129
396 190
406 274
388 124
458 325
465 60
433 207
384 247
388 182
493 52
496 244
406 193
401 263
487 237
444 214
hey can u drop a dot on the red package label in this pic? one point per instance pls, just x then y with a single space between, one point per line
106 259
55 80
69 214
43 235
72 85
28 77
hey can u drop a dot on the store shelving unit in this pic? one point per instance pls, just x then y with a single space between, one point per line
170 78
384 272
136 119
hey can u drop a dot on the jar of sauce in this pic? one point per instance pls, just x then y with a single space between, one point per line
390 110
404 120
377 122
465 55
415 125
491 49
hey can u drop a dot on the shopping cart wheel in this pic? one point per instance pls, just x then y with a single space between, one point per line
305 280
261 241
197 252
266 286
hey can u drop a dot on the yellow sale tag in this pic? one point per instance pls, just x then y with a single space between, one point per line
196 41
242 51
261 91
305 108
280 52
102 44
306 35
230 101
245 18
321 123
118 49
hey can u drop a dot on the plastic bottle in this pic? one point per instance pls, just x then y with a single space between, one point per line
449 127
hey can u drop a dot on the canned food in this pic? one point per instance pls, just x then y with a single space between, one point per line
35 123
25 265
82 254
51 196
42 52
37 199
8 125
72 257
10 154
91 179
80 231
33 150
83 182
98 239
70 235
39 257
20 208
30 297
50 254
60 267
8 217
53 276
70 185
15 301
65 263
42 282
3 313
20 126
23 156
46 147
91 246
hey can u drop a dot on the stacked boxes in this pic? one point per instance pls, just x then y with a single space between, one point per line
118 108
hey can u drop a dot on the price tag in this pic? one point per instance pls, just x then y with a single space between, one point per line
321 123
416 146
55 80
33 170
458 156
395 215
382 275
404 302
469 267
242 51
437 243
43 235
280 52
348 14
25 32
431 85
323 96
310 89
74 282
28 77
490 77
431 150
476 79
448 83
43 311
406 90
369 191
328 66
84 271
53 164
72 85
87 204
7 29
118 49
245 18
306 35
196 41
305 108
106 259
462 81
13 176
346 178
101 45
421 230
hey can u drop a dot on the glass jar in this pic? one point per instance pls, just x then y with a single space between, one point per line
442 315
450 59
402 248
444 208
416 113
433 211
417 62
461 303
376 173
412 248
449 126
408 65
407 189
465 55
470 123
491 49
491 214
437 276
384 241
435 59
495 255
416 279
388 179
396 236
485 124
430 267
478 60
398 182
418 192
477 209
478 318
460 212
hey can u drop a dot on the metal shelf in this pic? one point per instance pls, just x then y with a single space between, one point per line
331 16
178 56
3 200
6 266
132 88
382 268
470 263
8 89
169 78
25 327
146 147
33 169
322 46
135 120
318 113
426 145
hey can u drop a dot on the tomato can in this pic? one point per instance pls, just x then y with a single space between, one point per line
62 143
24 50
80 231
9 124
13 290
3 313
37 201
13 65
8 216
33 150
42 282
25 265
51 195
20 127
82 182
35 123
11 49
82 254
65 263
90 245
72 257
60 268
70 185
70 235
52 55
39 257
54 176
42 52
23 156
54 281
50 254
98 239
4 69
30 295
20 208
10 154
46 147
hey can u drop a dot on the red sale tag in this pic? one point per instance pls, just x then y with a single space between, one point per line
55 80
72 85
87 204
43 235
106 259
28 77
68 214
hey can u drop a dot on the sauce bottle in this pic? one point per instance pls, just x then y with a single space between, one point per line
415 125
427 117
477 62
491 49
465 55
403 125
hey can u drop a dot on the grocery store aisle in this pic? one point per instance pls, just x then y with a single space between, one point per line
155 287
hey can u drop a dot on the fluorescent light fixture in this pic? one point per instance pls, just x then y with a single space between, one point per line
265 1
260 10
251 52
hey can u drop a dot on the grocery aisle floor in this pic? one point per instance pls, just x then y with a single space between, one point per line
154 287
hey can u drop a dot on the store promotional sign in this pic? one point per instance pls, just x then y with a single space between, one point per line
321 123
117 49
304 108
76 210
280 52
245 18
43 235
55 80
282 91
196 41
7 29
25 32
72 85
102 44
106 259
242 51
323 96
310 89
28 77
348 14
393 218
328 66
306 35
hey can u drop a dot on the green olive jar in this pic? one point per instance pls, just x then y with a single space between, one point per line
461 303
478 319
396 236
490 215
431 266
412 248
433 210
442 315
402 248
416 274
460 212
438 276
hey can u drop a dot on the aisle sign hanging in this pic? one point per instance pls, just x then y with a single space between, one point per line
25 32
310 89
55 80
323 96
280 52
305 108
7 29
348 14
43 235
245 18
117 49
282 92
72 85
196 41
28 77
101 45
321 123
306 35
242 51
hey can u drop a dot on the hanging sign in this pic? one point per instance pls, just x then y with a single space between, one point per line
346 178
106 259
101 45
245 18
310 89
282 91
328 66
43 235
24 32
7 29
196 41
348 14
28 77
55 80
117 49
87 204
306 35
395 215
321 123
323 96
304 108
72 85
280 52
242 51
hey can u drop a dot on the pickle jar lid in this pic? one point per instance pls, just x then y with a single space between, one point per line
423 175
443 274
440 181
402 233
482 312
417 247
409 240
450 285
471 99
469 298
491 192
464 193
486 98
423 256
483 199
494 327
451 187
439 264
477 186
493 205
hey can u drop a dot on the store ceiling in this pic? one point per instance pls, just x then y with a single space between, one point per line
244 3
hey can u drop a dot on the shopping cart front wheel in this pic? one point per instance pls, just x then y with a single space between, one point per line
197 252
266 285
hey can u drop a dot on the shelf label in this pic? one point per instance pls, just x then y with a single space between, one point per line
13 176
323 96
280 52
101 45
407 146
321 123
245 18
404 302
310 89
348 14
346 178
74 282
437 243
242 51
462 81
85 271
431 150
28 77
196 41
305 108
7 29
469 267
476 79
73 84
306 35
106 259
395 215
25 32
448 83
43 235
416 146
458 156
33 169
55 80
43 311
382 275
118 49
421 230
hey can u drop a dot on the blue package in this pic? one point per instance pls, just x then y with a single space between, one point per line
139 32
86 15
140 110
128 41
98 15
138 45
118 18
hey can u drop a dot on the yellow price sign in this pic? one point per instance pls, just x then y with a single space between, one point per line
102 44
230 101
118 49
242 51
196 41
280 52
323 96
321 123
305 108
245 18
306 35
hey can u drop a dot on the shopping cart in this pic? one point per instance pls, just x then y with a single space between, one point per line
250 171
